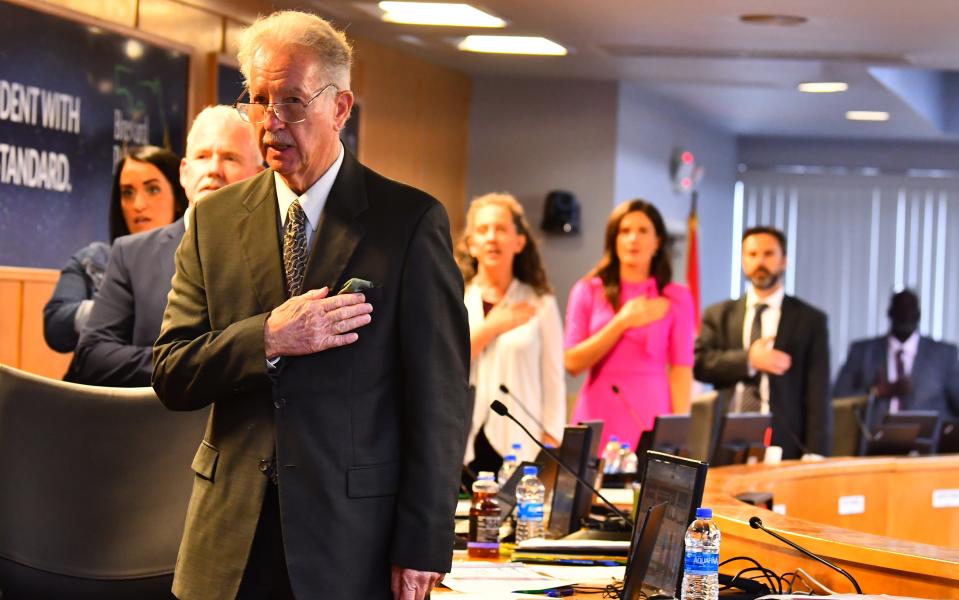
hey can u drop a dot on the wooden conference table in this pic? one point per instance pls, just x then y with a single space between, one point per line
893 523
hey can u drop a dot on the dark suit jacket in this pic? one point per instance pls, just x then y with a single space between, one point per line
935 374
368 437
798 399
116 347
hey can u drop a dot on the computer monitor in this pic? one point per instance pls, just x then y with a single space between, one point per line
740 436
927 441
641 550
848 424
566 510
703 425
669 434
949 436
679 483
893 439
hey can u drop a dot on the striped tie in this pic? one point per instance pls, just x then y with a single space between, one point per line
294 248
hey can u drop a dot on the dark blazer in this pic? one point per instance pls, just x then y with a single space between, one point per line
78 281
798 399
369 437
116 347
935 374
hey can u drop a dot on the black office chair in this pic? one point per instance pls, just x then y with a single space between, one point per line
95 489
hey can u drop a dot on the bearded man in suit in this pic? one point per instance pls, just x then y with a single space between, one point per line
331 461
768 352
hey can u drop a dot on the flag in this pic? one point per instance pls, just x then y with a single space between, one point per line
692 258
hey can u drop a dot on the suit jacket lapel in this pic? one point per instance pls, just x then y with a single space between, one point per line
260 242
339 231
735 331
787 323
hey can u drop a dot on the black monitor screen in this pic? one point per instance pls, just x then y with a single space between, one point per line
641 550
679 482
574 453
739 433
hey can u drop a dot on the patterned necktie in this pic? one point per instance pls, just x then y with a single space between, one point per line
752 400
294 248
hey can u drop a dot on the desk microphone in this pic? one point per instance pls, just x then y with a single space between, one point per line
632 413
505 390
792 434
757 523
500 409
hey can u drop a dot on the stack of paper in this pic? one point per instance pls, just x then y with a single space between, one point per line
572 552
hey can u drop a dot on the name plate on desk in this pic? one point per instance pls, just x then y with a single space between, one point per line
945 498
852 505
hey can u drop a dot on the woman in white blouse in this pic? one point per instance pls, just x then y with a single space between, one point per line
516 333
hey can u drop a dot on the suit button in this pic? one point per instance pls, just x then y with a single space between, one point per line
279 402
264 466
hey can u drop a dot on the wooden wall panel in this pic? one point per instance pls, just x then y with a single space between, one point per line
11 307
23 294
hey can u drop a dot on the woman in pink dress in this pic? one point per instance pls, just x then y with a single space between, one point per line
631 328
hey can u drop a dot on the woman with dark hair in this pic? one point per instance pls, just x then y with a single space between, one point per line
516 332
631 327
146 194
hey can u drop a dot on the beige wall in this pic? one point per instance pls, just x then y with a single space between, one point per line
415 115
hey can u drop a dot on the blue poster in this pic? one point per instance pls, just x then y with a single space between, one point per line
72 98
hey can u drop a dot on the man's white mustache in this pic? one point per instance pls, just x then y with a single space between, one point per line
277 139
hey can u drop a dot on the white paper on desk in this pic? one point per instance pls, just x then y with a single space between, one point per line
611 546
582 575
498 578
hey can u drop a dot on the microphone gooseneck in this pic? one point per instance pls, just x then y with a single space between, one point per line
505 390
757 523
500 409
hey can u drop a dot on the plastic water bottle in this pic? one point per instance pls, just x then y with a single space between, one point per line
509 465
530 495
628 461
611 455
485 518
516 449
700 575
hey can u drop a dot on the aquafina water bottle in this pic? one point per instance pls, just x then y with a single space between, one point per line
701 570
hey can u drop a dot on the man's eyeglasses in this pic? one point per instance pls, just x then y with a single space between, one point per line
288 112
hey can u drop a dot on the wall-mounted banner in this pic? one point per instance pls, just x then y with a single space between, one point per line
72 98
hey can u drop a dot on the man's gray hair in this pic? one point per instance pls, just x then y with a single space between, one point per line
303 29
223 114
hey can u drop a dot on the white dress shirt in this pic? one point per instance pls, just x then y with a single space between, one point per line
909 349
312 200
770 325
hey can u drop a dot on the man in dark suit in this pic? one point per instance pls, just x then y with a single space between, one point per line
331 462
914 372
768 352
116 346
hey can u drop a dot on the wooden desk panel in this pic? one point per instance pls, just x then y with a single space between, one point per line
897 503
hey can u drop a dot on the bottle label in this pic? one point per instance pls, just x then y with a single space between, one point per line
530 511
702 563
485 529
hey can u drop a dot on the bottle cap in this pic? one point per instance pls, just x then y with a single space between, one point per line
530 470
625 445
485 475
510 458
516 446
614 438
704 513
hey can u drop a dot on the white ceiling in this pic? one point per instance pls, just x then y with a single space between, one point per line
697 52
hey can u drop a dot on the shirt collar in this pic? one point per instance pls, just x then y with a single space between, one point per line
186 218
775 300
910 346
313 199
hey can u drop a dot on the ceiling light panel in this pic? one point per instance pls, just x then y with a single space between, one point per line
823 87
438 14
506 44
867 115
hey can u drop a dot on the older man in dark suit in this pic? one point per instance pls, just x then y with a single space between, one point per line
913 371
769 352
331 462
116 345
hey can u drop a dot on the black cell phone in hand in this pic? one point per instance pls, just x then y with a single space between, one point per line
355 285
